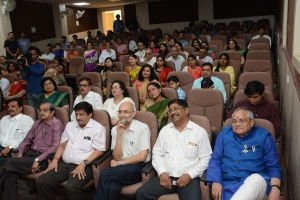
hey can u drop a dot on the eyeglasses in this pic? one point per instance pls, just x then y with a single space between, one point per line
241 121
82 86
43 110
116 87
174 110
153 89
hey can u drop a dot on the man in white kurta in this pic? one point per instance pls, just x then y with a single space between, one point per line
180 156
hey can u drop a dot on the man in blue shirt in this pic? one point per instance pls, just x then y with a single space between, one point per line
207 69
23 43
244 164
118 25
34 73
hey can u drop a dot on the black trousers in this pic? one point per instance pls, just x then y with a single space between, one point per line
14 167
153 190
47 183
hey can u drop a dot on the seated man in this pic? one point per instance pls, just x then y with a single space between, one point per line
149 57
40 142
203 56
85 94
260 107
81 143
244 165
13 128
261 34
141 51
180 155
107 52
131 149
207 69
176 58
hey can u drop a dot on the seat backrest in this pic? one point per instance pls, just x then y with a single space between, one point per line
189 49
258 66
30 111
98 90
94 76
103 118
150 119
240 95
134 95
242 42
76 65
9 77
219 43
68 90
259 55
124 60
260 40
122 76
226 80
215 48
203 122
62 114
263 123
233 55
169 93
263 77
223 38
209 103
259 46
119 65
171 64
185 80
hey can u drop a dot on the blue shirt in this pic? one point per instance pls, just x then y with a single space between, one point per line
218 84
181 93
34 75
24 45
235 158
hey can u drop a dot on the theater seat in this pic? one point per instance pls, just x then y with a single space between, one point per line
263 77
185 80
240 95
226 80
169 93
76 67
134 95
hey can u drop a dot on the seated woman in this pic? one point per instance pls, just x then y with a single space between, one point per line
233 46
12 68
108 67
161 67
222 66
133 69
57 73
118 95
146 75
51 95
157 103
163 49
153 47
196 44
121 48
90 57
193 68
72 52
17 88
172 42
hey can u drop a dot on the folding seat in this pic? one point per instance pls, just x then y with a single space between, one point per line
94 76
215 48
259 46
258 66
124 60
119 65
220 37
68 90
240 95
220 44
171 64
76 67
259 55
235 64
122 76
189 49
242 42
169 93
226 80
185 80
260 40
185 63
134 95
10 77
263 77
30 111
209 103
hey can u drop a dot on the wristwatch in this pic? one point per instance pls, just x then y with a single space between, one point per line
86 162
10 147
36 160
277 186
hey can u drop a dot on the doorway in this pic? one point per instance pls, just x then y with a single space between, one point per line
108 18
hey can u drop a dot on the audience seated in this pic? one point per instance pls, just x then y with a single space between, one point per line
181 39
47 56
39 144
51 95
118 95
245 161
157 103
90 57
153 47
121 48
207 69
149 57
132 69
233 46
261 34
57 72
12 68
176 58
72 52
108 67
81 143
173 82
17 88
3 63
107 52
141 51
163 49
4 84
59 52
85 94
180 156
181 50
203 55
193 68
162 69
196 44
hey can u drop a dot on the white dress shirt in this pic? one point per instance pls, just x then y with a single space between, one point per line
152 61
14 129
82 142
4 84
135 140
178 153
178 61
105 54
141 55
132 46
113 108
93 98
264 36
206 59
49 56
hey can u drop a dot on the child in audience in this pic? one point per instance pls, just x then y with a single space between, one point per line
173 82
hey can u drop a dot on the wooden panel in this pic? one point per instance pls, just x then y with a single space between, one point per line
290 26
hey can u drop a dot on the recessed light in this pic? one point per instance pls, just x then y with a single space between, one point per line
81 4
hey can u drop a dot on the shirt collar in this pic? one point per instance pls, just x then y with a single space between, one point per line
17 117
87 96
189 125
49 123
88 125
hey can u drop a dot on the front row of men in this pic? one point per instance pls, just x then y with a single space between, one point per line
244 164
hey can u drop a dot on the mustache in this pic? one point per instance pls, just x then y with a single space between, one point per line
173 115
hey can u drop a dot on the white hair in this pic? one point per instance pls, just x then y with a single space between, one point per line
249 112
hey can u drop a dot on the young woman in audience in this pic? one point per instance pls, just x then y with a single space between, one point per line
163 49
161 67
223 66
118 95
193 67
157 103
165 39
133 69
90 57
171 43
72 52
17 88
153 47
146 75
108 67
12 68
121 48
57 72
193 37
233 46
51 95
196 44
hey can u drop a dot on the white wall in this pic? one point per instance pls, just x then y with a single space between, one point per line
5 27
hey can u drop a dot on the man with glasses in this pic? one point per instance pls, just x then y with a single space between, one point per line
85 94
203 56
149 57
131 150
180 156
141 51
244 165
40 142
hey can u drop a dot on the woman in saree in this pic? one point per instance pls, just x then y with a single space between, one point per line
51 95
157 103
17 88
146 75
133 69
90 57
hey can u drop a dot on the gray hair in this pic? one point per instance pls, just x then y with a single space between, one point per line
249 112
132 104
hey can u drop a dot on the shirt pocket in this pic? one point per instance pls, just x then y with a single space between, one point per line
85 143
191 150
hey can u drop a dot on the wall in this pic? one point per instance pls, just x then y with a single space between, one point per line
5 27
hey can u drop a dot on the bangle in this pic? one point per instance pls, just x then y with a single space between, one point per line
277 186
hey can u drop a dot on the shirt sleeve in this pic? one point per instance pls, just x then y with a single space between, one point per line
272 166
28 122
144 142
65 135
98 102
113 137
4 85
28 139
158 153
196 84
36 69
113 54
99 140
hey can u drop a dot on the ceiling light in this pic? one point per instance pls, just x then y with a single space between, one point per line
81 4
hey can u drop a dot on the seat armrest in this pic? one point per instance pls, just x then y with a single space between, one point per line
72 75
148 168
203 178
102 158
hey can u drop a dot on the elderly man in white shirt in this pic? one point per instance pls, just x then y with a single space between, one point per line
131 150
81 143
4 84
149 57
13 128
85 94
203 56
107 52
47 55
141 51
177 59
180 156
